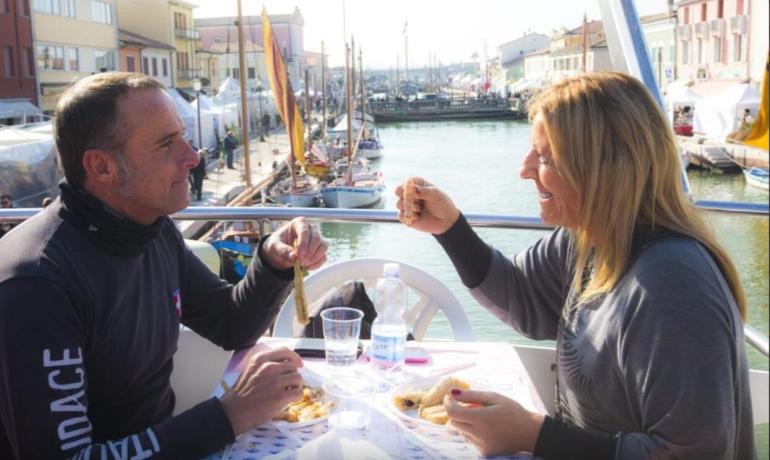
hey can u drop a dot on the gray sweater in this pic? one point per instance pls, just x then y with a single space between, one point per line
660 359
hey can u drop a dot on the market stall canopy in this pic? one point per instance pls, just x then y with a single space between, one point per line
18 108
717 116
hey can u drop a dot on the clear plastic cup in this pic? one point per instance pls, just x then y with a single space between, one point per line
342 327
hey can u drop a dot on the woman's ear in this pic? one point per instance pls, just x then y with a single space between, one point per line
99 166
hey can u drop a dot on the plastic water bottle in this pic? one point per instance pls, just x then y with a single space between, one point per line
389 328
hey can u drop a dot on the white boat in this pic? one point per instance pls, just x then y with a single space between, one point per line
757 177
370 149
362 191
304 195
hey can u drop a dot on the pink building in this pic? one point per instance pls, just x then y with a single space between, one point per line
288 30
712 39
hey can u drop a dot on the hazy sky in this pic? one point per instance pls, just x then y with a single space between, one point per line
435 27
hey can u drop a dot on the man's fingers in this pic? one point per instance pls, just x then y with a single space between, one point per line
277 368
277 355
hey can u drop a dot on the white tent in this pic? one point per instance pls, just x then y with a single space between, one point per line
717 116
212 124
29 169
186 113
679 95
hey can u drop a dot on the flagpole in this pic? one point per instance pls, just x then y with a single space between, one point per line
406 53
323 89
349 102
244 107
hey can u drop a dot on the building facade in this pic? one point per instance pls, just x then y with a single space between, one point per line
18 91
209 65
185 42
713 39
147 56
511 54
228 64
288 30
72 39
659 31
759 12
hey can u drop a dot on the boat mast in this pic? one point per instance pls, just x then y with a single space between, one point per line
349 103
323 90
406 53
585 42
308 108
361 71
244 107
290 129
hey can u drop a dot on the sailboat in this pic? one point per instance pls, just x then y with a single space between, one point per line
352 190
299 190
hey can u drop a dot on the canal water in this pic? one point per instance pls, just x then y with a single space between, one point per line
477 163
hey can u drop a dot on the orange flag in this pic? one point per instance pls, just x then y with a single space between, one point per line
282 91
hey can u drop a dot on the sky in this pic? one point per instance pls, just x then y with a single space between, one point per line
439 28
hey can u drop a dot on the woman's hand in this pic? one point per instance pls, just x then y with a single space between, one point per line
269 382
496 425
433 210
311 252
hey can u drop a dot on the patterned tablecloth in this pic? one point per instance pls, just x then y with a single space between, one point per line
485 365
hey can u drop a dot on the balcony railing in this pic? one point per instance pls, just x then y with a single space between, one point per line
701 30
188 74
684 32
186 34
738 24
717 27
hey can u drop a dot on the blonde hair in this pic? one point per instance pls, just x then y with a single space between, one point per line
612 143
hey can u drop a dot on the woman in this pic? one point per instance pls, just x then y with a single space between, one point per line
645 306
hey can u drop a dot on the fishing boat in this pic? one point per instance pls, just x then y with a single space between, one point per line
364 190
300 191
757 177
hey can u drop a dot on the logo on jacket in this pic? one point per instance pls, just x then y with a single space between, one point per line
176 297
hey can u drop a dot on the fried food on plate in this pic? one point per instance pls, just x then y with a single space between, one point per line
409 400
435 395
310 407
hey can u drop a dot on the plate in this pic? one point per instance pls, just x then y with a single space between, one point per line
411 416
311 380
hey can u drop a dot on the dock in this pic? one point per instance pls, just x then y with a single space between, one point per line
446 109
709 155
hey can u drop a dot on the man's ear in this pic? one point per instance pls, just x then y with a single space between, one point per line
100 166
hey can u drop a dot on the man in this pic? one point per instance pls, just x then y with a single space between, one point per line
93 290
230 144
6 202
198 173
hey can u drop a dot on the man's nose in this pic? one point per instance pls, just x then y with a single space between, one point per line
190 157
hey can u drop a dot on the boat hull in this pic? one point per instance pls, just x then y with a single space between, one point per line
757 178
298 200
351 197
369 154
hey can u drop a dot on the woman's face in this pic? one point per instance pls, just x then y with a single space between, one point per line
558 199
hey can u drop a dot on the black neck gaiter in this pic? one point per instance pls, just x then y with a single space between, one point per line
109 231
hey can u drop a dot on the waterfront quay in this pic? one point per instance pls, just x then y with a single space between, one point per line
446 109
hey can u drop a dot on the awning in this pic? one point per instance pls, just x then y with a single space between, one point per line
17 108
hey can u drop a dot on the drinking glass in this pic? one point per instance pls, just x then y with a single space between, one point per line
342 326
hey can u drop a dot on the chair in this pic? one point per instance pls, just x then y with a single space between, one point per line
431 294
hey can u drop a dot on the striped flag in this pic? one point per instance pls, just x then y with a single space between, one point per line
282 91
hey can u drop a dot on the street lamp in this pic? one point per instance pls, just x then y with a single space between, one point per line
197 88
259 101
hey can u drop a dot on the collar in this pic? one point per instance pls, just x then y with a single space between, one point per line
109 231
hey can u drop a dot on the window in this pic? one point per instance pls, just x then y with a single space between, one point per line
145 66
236 74
30 62
721 8
252 73
69 8
685 52
47 6
738 7
72 59
10 69
700 51
717 50
101 12
5 8
164 63
130 64
50 57
24 7
105 60
686 14
217 39
737 48
154 67
703 11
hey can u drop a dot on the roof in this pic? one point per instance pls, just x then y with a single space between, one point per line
511 42
655 17
190 5
129 38
17 108
594 42
224 21
546 50
248 47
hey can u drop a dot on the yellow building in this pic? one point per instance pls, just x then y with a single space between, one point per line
71 39
184 40
169 22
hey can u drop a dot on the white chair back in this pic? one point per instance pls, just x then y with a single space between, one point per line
431 295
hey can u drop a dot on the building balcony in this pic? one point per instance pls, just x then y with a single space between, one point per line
701 30
684 32
188 74
717 27
186 34
738 25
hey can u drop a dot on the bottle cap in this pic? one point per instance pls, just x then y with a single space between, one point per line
390 269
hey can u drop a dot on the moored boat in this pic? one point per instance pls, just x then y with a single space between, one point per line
757 177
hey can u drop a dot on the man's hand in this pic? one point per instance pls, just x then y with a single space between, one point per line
496 425
434 212
311 252
268 383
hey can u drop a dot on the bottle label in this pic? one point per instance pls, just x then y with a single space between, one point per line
388 349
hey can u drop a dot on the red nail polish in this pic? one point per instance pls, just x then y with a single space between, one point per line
456 392
416 189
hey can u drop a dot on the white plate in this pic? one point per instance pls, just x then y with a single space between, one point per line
411 416
312 380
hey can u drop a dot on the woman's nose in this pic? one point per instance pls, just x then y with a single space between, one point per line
528 169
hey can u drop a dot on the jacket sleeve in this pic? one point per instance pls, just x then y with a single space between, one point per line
44 387
526 291
232 316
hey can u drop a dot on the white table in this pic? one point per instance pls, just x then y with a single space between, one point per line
485 365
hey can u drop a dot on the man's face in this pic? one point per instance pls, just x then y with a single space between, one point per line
6 202
156 158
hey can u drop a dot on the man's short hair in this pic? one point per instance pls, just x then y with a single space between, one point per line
87 118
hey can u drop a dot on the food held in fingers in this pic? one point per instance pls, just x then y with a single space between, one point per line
435 395
408 201
300 302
